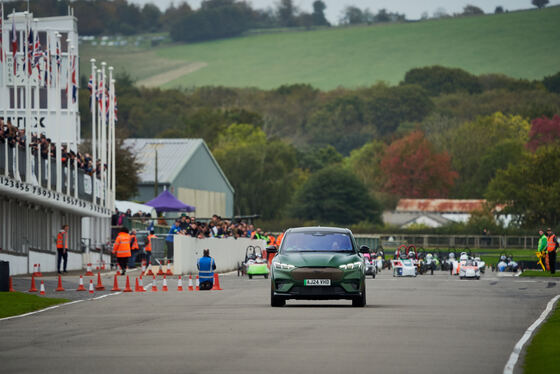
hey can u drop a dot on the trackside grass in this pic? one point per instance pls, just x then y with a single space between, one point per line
539 273
520 44
542 353
15 303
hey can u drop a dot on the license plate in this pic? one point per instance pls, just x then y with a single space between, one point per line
317 282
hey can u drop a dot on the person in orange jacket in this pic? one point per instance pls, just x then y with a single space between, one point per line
148 247
121 248
134 249
62 247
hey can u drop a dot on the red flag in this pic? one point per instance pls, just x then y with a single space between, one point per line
14 43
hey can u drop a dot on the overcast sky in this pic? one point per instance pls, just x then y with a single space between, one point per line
413 9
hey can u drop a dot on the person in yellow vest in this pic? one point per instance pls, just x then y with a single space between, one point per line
551 247
148 247
62 247
134 249
121 248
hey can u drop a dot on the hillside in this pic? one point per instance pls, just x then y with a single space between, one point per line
519 44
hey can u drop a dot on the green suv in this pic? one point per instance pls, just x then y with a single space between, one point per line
318 263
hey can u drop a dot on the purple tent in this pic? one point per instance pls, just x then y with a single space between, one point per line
166 202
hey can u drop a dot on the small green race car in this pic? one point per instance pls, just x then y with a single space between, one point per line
254 264
318 263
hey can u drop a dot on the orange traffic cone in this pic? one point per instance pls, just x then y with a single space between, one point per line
160 271
32 288
102 265
39 274
116 284
190 288
127 288
141 286
197 284
89 273
34 270
59 288
42 291
150 272
164 286
81 286
154 284
91 286
143 266
11 289
180 284
168 272
100 286
216 286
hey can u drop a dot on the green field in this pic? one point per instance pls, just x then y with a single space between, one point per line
540 273
519 44
14 303
542 354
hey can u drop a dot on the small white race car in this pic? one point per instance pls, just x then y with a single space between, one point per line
403 266
470 270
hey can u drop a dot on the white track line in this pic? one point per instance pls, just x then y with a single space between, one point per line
57 306
510 365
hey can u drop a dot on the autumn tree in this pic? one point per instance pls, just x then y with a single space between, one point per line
414 169
544 131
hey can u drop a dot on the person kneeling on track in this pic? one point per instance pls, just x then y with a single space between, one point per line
206 266
121 248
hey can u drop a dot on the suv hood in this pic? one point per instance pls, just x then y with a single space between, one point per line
317 259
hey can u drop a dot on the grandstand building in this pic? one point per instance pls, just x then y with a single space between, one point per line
44 181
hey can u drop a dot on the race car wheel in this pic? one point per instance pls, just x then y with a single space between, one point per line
250 276
266 276
462 277
373 276
238 269
477 278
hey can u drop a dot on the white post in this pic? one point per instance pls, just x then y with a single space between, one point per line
113 142
111 124
5 100
93 103
69 91
38 106
28 177
58 158
103 133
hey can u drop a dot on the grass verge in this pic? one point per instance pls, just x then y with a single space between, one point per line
542 353
539 273
15 303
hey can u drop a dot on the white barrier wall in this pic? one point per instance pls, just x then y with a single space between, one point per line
21 264
18 264
227 252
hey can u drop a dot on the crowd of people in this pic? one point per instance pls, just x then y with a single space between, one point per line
216 228
44 146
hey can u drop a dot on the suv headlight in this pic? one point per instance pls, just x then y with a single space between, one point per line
281 266
352 266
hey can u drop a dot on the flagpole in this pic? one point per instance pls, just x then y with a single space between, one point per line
5 89
103 132
93 103
113 164
27 101
69 123
37 103
110 141
58 117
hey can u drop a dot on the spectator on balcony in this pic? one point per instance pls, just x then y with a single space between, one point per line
174 230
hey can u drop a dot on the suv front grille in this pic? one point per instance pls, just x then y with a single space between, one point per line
333 274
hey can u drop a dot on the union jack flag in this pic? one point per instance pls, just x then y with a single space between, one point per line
30 52
74 83
14 43
115 103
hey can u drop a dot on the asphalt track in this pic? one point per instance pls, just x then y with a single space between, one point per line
431 324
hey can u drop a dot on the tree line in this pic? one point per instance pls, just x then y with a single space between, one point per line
441 133
214 19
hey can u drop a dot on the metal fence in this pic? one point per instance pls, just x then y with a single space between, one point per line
449 241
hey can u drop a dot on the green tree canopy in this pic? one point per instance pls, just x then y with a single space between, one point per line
439 79
530 189
335 195
262 171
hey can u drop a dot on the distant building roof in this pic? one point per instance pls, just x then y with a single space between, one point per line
173 155
405 219
440 205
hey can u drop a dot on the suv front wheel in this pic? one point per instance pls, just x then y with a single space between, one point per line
359 301
276 301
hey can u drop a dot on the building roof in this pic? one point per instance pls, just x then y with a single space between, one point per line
440 205
173 155
402 219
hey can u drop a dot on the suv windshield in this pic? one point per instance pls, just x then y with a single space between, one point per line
317 242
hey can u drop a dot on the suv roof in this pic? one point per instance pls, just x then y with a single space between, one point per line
319 228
